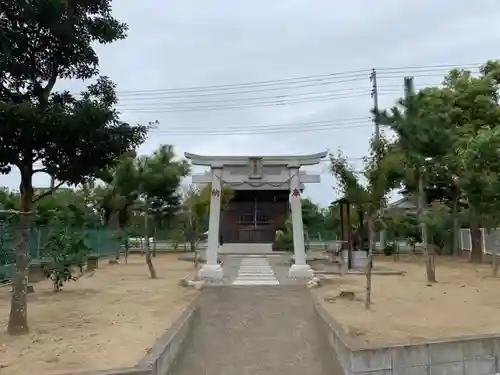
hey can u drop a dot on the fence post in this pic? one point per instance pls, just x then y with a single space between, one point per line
98 241
38 243
483 240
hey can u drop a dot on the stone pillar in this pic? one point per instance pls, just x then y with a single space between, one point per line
212 269
300 269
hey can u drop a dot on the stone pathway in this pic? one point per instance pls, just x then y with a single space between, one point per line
259 330
255 270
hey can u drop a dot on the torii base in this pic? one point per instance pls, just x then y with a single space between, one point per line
300 271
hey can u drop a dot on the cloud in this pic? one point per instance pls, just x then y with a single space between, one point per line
181 43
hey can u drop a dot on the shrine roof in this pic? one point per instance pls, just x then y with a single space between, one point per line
219 161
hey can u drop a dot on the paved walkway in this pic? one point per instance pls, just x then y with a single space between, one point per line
256 330
255 270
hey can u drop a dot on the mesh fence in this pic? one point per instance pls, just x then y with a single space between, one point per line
102 242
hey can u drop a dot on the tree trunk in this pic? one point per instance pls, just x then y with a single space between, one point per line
430 269
395 247
430 264
193 230
154 238
456 229
18 317
476 254
114 225
127 249
371 239
494 253
149 261
194 250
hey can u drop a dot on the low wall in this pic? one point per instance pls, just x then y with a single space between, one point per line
162 356
472 355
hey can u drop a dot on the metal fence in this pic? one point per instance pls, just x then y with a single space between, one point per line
102 242
488 241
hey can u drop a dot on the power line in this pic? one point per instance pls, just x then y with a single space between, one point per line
310 78
276 97
38 164
346 90
272 82
235 103
273 103
196 108
211 132
269 87
430 67
147 94
157 104
233 97
155 100
342 121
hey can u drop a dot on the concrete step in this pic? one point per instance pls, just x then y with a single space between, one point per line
246 248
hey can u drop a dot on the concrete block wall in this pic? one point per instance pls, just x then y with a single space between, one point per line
478 355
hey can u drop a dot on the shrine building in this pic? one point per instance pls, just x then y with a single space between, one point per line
267 189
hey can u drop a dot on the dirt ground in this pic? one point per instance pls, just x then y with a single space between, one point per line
465 301
107 320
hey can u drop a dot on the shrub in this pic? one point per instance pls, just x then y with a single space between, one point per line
389 249
66 251
283 240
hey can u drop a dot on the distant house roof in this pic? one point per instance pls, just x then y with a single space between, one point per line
404 203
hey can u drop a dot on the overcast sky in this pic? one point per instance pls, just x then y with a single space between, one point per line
184 43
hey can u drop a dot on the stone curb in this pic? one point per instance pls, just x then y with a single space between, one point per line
465 355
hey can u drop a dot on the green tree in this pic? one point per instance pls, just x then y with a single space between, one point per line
67 206
68 137
195 209
333 222
283 239
423 143
435 128
399 225
120 192
475 111
479 155
68 249
9 201
160 176
313 217
370 199
192 218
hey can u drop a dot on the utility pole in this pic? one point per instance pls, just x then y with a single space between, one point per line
371 234
374 95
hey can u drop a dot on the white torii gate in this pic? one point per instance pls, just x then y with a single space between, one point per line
250 173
